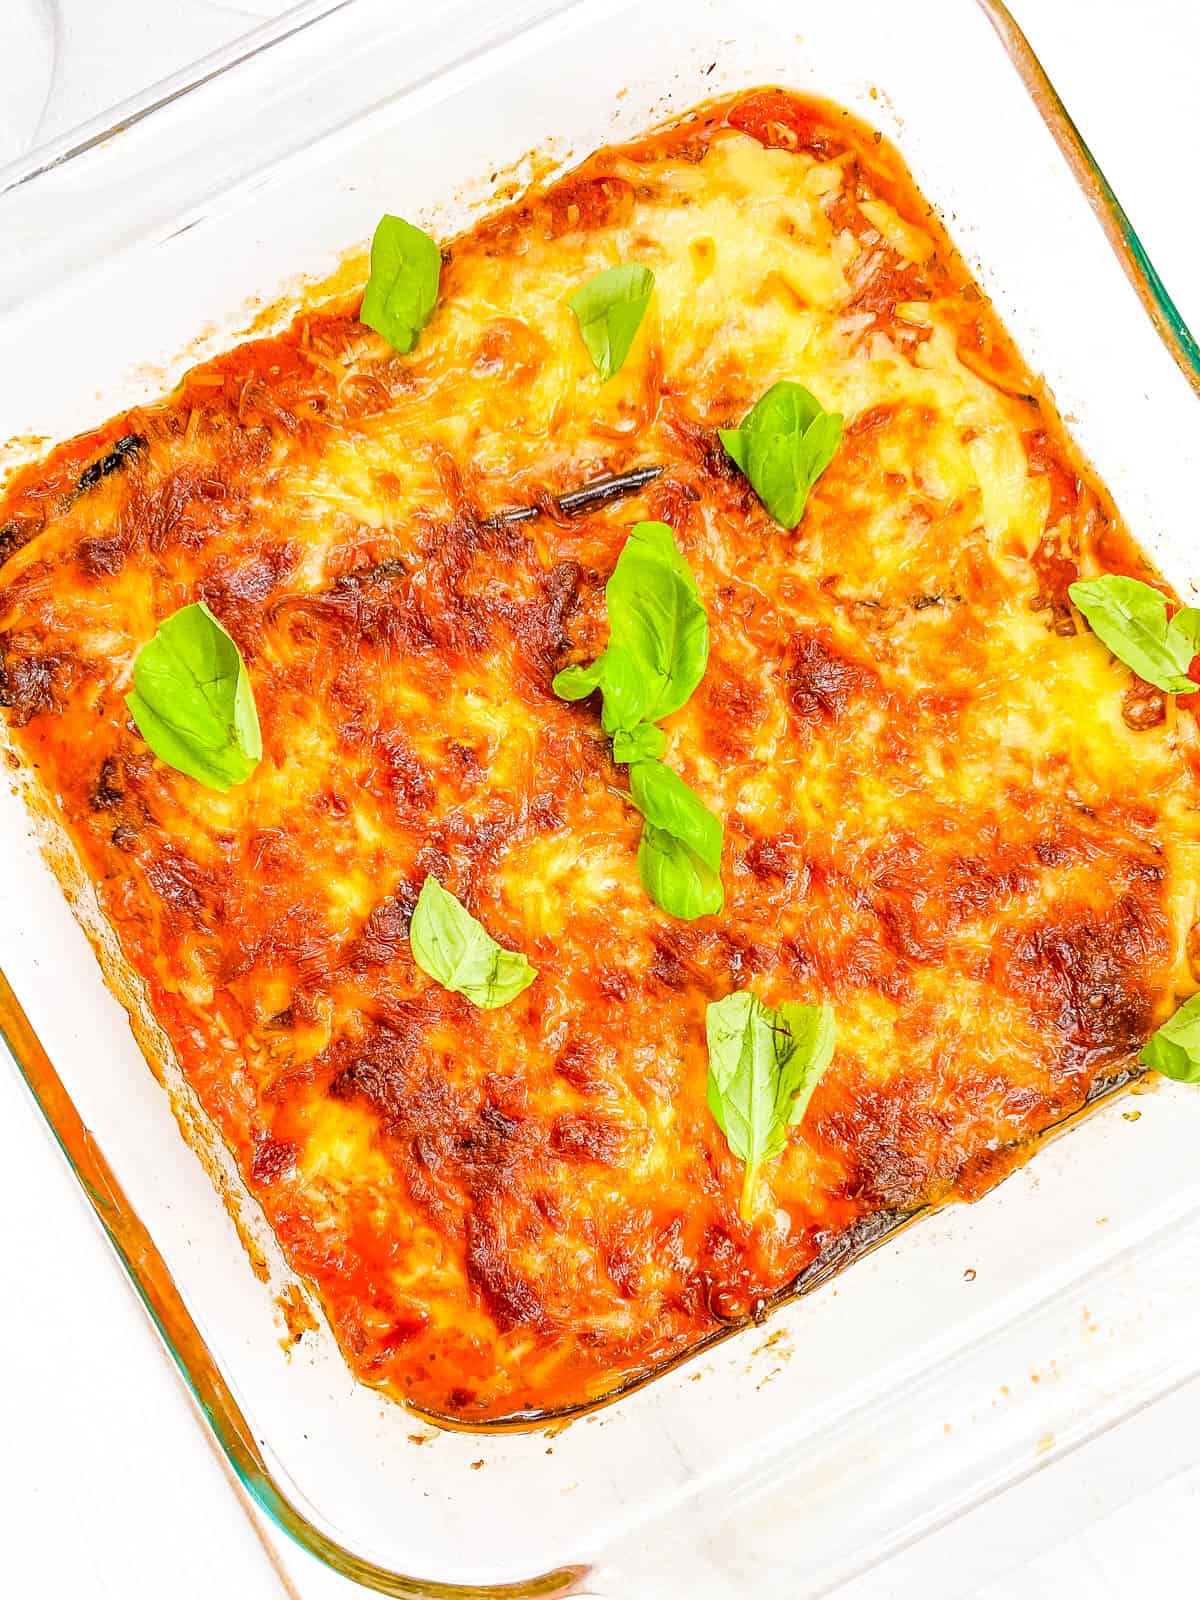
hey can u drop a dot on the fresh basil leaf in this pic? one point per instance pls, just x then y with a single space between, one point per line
192 701
624 687
783 446
576 683
656 655
617 677
609 309
812 1031
643 743
763 1066
676 878
1130 617
656 614
666 802
1185 627
1175 1049
406 267
658 635
459 953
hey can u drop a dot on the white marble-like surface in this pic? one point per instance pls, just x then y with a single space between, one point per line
108 1485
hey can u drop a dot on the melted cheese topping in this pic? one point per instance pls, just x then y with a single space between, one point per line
948 810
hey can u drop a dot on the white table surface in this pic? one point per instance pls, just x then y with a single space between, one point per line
108 1484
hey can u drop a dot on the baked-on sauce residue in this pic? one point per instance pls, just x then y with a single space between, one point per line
938 815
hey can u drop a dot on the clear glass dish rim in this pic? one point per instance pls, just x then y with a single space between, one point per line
127 1235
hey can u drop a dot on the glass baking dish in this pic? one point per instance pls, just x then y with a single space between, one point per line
982 1341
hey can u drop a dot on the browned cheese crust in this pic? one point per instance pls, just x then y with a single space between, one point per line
948 811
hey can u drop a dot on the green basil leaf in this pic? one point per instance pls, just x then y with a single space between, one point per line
1175 1049
665 801
676 878
658 635
406 267
1185 626
811 1028
459 953
609 309
617 677
763 1065
656 615
1130 617
624 686
783 446
576 683
656 655
643 743
192 701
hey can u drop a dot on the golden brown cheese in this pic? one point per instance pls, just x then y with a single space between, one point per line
948 811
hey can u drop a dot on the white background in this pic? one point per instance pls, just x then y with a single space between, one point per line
108 1485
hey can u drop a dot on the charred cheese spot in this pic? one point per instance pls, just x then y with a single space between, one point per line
947 810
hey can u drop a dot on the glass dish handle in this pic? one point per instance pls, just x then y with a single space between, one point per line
86 58
29 33
933 1438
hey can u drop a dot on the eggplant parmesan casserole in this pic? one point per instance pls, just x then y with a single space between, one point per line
625 761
